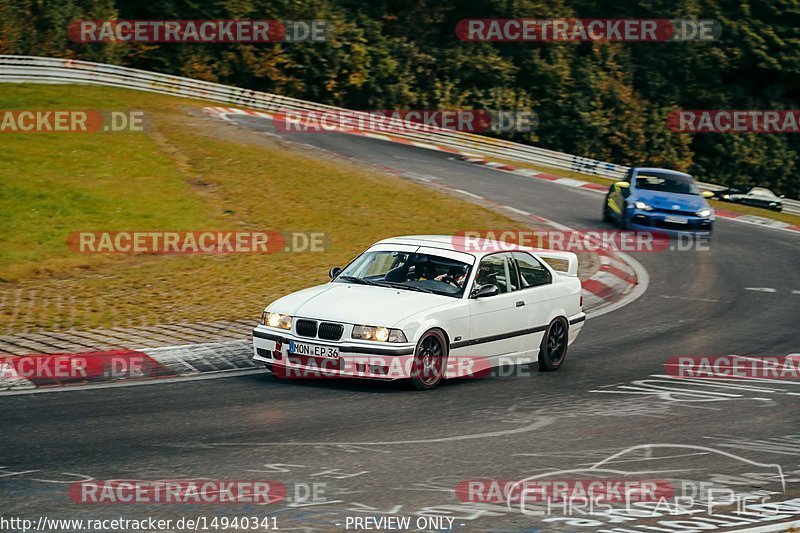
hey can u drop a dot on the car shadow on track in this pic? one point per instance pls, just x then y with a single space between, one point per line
371 386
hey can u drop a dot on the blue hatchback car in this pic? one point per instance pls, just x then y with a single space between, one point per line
659 199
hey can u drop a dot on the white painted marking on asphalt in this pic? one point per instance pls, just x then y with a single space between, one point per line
693 299
421 177
409 158
556 225
795 292
569 182
527 172
783 526
515 210
760 289
639 459
469 194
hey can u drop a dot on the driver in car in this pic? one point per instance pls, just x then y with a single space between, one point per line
454 276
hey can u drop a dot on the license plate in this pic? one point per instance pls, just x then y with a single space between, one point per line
675 220
313 350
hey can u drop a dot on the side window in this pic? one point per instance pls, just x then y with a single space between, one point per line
493 270
532 273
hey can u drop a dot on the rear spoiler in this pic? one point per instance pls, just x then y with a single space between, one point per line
562 262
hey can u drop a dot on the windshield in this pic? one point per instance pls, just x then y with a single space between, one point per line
664 182
408 271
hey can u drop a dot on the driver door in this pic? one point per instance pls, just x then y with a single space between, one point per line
496 322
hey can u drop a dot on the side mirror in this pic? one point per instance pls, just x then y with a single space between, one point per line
334 272
485 290
707 194
623 185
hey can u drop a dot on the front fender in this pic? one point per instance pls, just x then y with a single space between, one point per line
453 322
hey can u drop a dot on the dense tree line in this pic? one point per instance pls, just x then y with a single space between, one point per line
608 101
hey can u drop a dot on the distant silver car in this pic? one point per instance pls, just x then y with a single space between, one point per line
757 197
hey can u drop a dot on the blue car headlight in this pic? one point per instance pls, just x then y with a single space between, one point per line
704 213
641 205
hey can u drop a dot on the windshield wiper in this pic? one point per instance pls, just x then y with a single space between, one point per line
402 286
363 281
360 281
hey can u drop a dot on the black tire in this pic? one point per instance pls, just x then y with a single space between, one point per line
430 360
607 212
553 349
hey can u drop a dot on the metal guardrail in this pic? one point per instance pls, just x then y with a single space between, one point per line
791 206
32 69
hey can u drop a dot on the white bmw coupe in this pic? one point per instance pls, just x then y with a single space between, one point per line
427 308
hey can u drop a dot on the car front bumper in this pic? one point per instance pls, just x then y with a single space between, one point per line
655 221
386 361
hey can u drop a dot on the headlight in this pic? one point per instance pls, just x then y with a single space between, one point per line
276 320
378 333
642 205
726 196
704 213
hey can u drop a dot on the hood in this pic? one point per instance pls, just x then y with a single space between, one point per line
668 200
358 304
